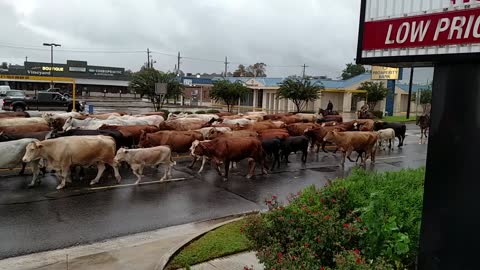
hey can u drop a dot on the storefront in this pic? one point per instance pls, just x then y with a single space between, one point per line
88 78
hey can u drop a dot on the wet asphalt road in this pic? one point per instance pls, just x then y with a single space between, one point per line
43 218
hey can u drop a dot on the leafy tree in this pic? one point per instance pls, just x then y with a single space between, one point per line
425 97
257 70
352 70
4 65
241 71
228 93
143 83
376 91
300 91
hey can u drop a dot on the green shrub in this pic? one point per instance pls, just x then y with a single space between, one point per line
200 112
376 214
177 112
378 114
213 111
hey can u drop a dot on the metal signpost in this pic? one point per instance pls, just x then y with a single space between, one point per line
444 34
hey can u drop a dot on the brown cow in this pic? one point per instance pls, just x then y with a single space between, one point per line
24 128
184 124
227 150
277 116
215 133
291 119
360 141
133 132
317 135
14 114
365 124
269 134
162 114
298 129
222 114
179 141
258 126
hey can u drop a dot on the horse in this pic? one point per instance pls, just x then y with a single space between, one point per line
423 122
325 113
365 115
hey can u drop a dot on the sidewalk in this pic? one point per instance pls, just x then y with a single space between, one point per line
234 262
149 250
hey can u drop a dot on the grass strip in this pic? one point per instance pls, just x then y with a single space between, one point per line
223 241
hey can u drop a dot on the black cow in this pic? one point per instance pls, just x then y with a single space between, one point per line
294 144
40 135
120 140
400 130
272 147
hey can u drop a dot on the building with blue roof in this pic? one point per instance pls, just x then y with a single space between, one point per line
344 94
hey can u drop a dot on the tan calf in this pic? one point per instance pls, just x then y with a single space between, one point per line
139 158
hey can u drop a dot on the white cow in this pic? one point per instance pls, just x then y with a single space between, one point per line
206 131
154 120
241 122
63 153
139 158
92 123
12 154
384 136
22 121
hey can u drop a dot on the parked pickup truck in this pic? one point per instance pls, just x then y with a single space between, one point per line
43 101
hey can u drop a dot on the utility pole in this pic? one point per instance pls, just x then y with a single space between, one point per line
226 65
148 58
178 64
51 45
304 67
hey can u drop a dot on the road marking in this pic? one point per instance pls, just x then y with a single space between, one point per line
133 184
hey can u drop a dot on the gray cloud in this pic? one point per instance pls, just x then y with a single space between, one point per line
321 34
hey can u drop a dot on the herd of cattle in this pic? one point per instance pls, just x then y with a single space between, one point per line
63 141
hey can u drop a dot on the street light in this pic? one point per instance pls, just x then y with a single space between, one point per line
51 59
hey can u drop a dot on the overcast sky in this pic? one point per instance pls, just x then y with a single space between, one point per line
284 34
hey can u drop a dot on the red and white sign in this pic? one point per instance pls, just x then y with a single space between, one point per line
400 28
440 29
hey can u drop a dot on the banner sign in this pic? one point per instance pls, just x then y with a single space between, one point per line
385 73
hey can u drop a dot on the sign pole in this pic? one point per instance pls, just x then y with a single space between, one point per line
449 231
390 102
410 92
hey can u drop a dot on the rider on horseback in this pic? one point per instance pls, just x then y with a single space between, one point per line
329 107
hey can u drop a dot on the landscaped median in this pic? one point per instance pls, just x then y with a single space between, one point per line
400 118
367 221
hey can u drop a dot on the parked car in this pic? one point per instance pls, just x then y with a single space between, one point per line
13 94
43 101
66 93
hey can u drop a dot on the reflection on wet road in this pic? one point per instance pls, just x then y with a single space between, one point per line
43 218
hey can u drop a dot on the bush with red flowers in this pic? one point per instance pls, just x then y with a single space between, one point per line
366 221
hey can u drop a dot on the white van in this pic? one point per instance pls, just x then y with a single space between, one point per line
4 89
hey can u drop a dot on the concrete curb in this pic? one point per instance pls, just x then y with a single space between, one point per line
163 261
